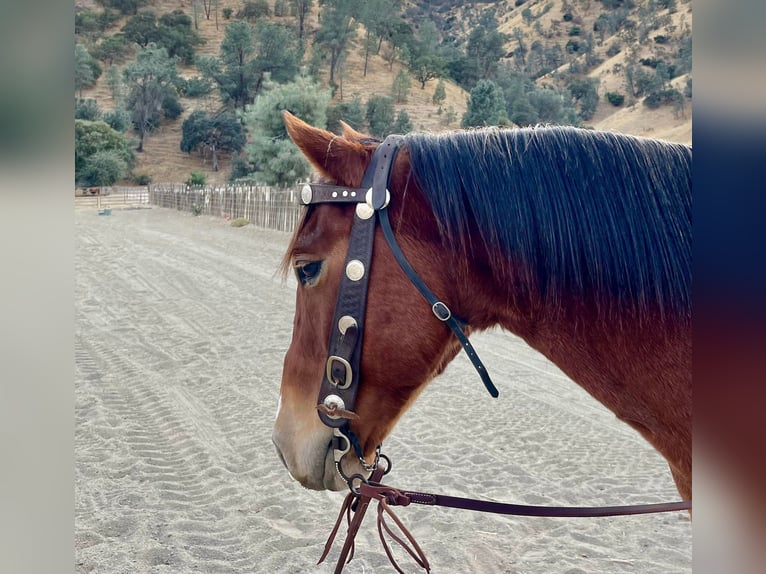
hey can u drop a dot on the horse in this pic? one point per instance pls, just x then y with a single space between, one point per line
578 241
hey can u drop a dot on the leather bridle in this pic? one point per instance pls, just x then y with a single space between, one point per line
341 377
342 374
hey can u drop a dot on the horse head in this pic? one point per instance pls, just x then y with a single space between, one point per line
404 345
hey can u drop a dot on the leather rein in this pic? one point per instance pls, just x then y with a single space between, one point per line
341 378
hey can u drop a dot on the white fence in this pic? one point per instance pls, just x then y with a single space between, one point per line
261 205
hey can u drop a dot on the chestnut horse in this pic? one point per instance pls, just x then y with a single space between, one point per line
577 241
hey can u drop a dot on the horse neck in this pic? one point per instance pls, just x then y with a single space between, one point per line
638 366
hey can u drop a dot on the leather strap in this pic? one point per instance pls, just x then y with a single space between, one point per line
438 307
331 193
396 497
342 372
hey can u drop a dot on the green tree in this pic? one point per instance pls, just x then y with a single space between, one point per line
127 7
402 125
248 54
380 115
485 46
336 33
142 29
112 49
302 8
86 68
176 35
150 80
350 111
585 93
427 68
233 71
254 10
219 133
277 54
92 137
486 105
276 159
401 87
440 94
104 167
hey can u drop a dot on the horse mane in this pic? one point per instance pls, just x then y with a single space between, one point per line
575 212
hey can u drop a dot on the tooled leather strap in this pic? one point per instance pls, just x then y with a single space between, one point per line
340 382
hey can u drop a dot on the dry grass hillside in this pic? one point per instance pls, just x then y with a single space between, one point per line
635 118
163 161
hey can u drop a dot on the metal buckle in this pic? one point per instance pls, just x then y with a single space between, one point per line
441 311
328 372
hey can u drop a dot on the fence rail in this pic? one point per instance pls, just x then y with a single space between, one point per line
260 205
113 196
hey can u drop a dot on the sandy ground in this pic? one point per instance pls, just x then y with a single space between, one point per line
181 330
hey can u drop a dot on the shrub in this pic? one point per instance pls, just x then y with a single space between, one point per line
104 168
239 222
253 10
142 178
196 87
118 119
227 12
615 99
661 97
86 109
196 179
575 31
171 107
613 49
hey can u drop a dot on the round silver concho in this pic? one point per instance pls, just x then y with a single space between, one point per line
306 194
334 402
355 270
345 322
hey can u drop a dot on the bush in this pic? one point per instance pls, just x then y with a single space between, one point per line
142 178
575 31
118 119
613 49
227 12
239 222
104 168
615 99
196 179
86 109
196 87
662 97
171 107
253 10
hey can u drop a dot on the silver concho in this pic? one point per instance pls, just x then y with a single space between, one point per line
345 322
368 198
355 270
364 211
334 402
306 194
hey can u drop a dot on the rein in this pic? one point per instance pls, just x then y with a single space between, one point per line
341 379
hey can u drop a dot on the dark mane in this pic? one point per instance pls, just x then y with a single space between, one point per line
600 214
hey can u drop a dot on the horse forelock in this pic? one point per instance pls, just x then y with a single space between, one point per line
584 213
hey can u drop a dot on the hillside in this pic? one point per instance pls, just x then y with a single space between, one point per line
544 22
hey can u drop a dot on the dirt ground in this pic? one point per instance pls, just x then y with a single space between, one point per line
181 329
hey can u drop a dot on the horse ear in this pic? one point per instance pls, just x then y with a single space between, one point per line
351 134
335 157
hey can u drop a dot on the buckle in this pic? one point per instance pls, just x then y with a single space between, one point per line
329 374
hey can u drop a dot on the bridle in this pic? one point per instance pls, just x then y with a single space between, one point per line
341 378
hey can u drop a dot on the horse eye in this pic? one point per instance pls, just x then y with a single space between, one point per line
308 272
